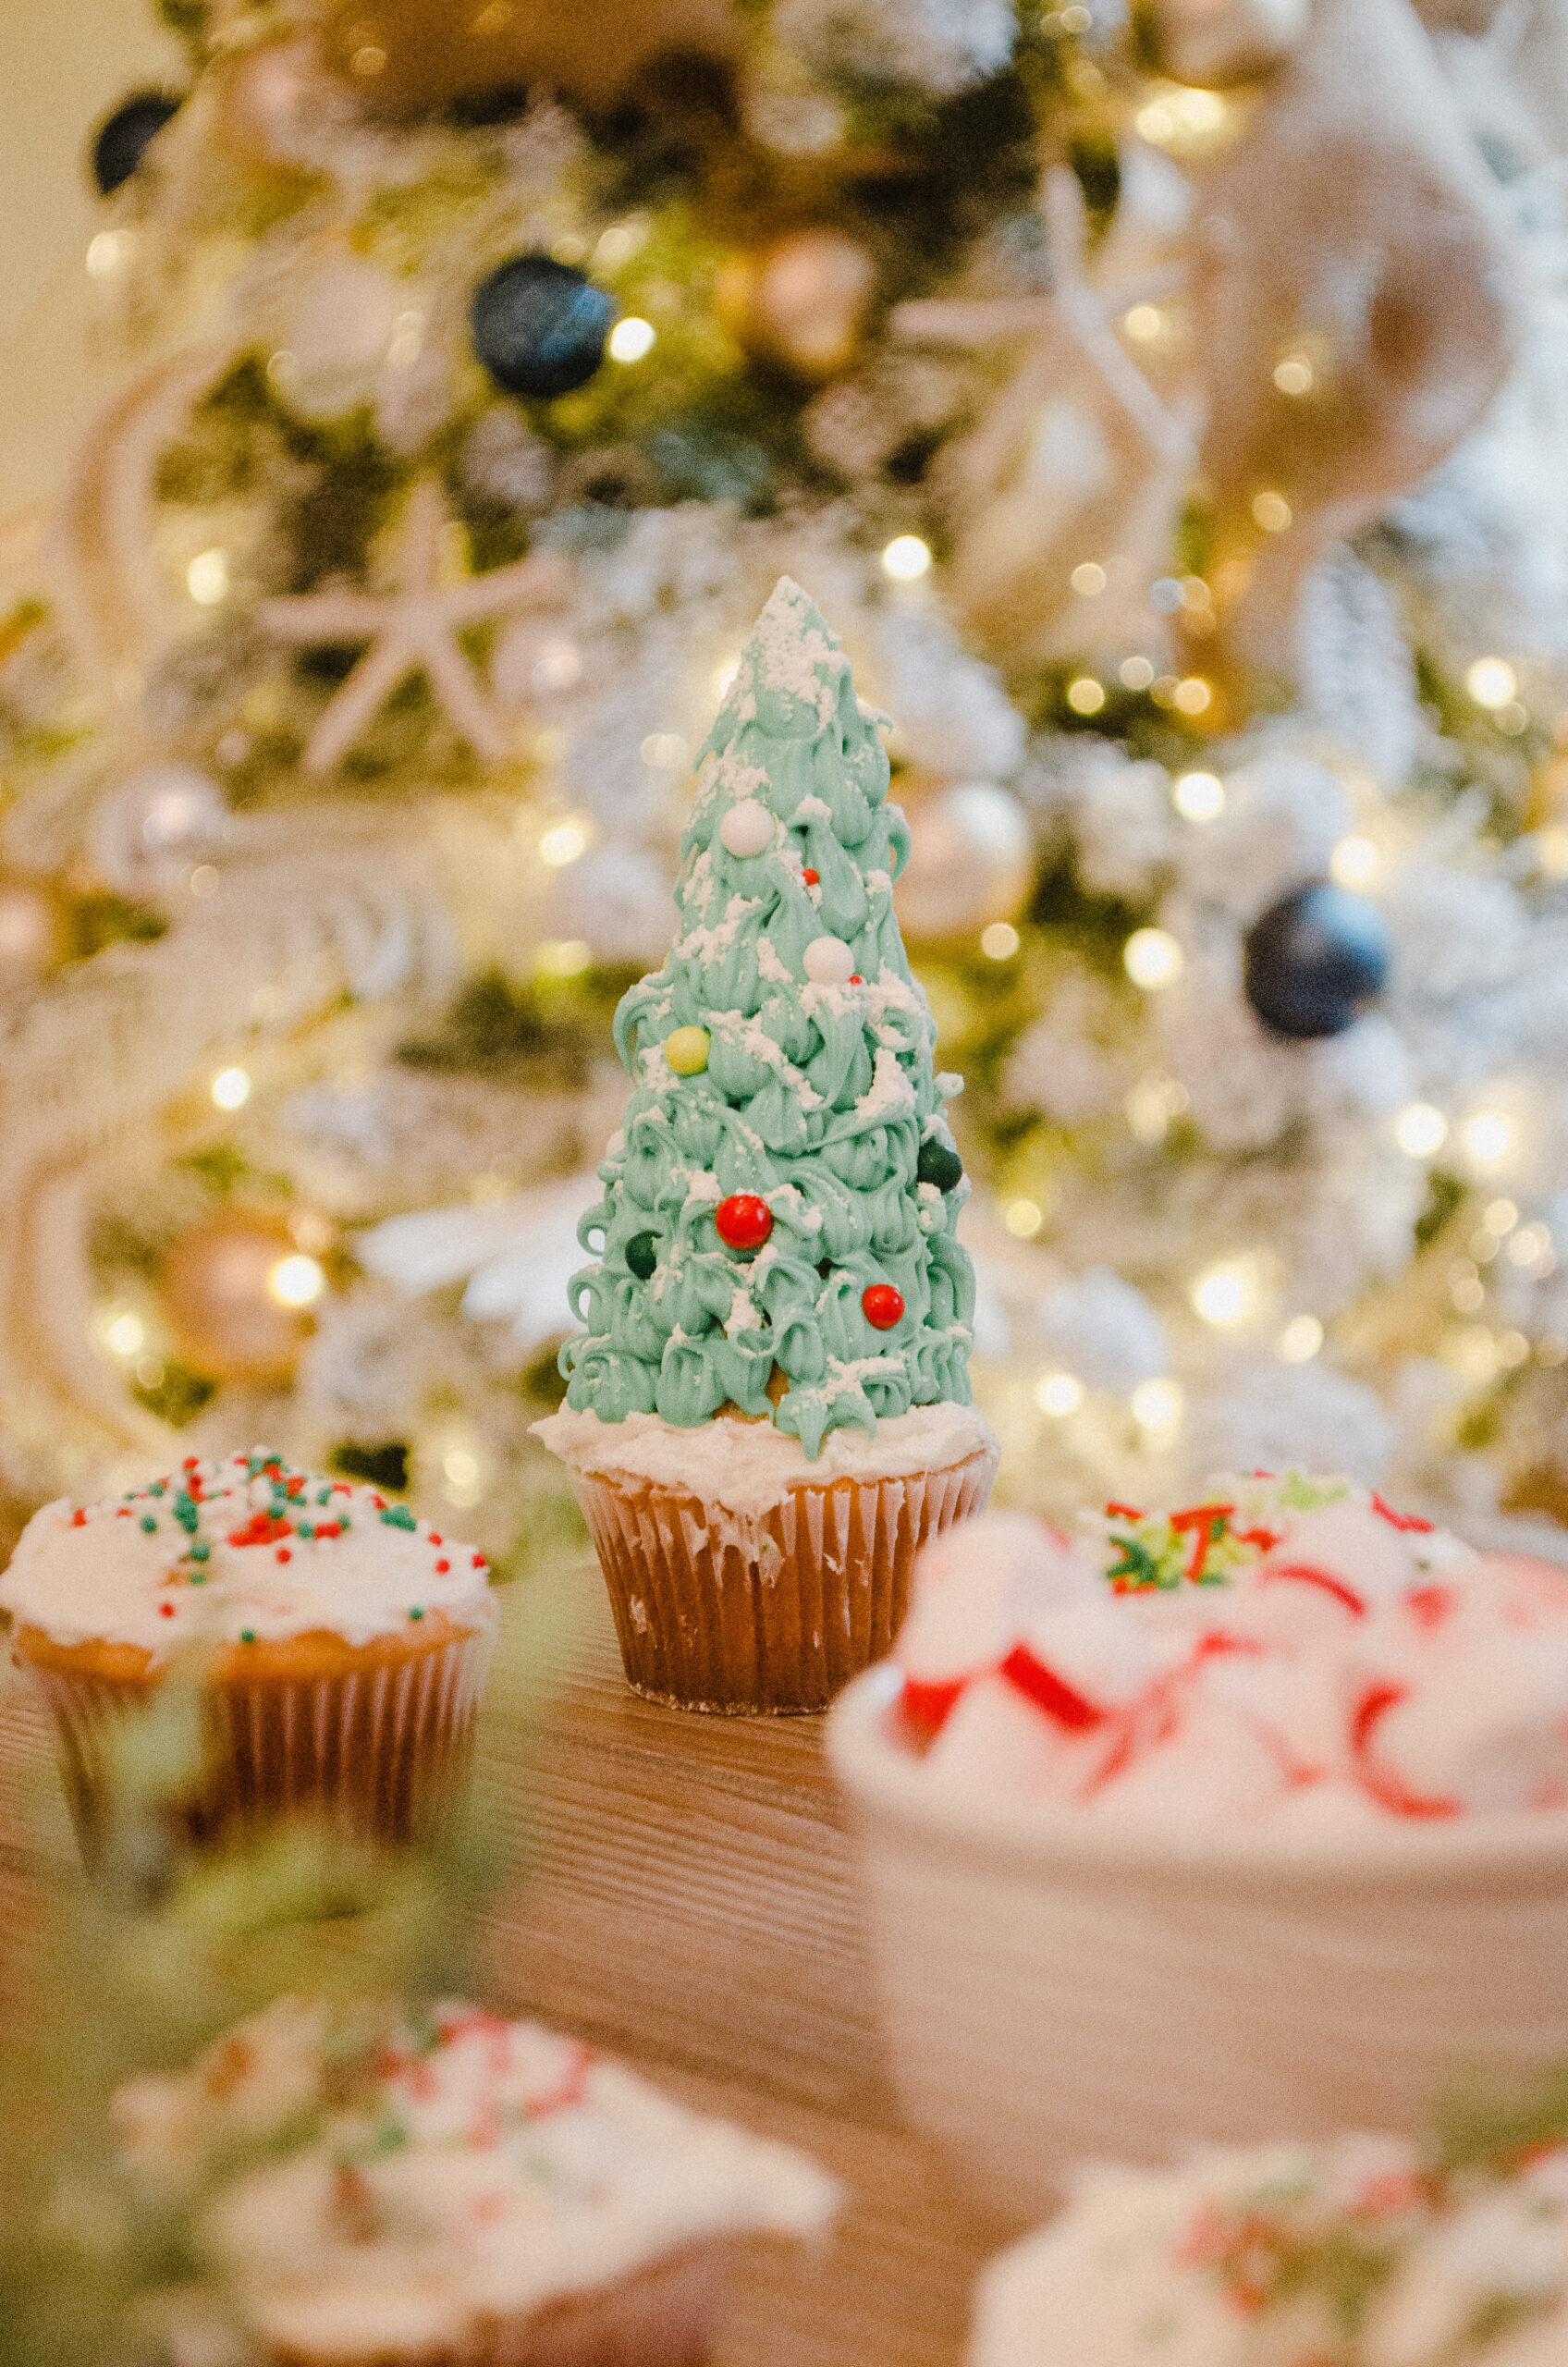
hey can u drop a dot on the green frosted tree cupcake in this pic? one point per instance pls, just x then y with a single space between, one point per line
768 1409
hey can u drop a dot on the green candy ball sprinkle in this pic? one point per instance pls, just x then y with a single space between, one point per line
938 1165
643 1255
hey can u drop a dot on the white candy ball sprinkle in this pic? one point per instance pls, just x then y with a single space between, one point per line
829 961
747 828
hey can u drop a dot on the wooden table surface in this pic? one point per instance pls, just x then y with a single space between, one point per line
682 1894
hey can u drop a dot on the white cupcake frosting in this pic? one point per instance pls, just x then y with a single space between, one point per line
236 1551
1359 2252
478 2168
743 1467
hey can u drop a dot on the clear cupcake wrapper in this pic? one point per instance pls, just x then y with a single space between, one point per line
771 1613
382 1749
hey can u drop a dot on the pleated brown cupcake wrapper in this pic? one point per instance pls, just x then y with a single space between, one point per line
771 1613
381 1751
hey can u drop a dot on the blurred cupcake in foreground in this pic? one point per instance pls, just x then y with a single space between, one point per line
462 2188
1356 2253
339 1644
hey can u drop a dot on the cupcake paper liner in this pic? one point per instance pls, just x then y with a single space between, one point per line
664 2315
770 1613
382 1749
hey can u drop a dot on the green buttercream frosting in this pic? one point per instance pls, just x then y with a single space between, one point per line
817 1095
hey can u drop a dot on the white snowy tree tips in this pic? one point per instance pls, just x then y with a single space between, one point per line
829 961
747 828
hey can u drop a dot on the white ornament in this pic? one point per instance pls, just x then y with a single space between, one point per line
953 715
345 321
104 560
747 828
1100 1328
970 862
829 961
1077 458
1357 148
148 830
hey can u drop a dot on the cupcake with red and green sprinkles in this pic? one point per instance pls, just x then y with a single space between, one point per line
339 1644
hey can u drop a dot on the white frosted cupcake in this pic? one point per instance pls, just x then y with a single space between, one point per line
340 1644
741 1577
464 2189
1356 2253
768 1407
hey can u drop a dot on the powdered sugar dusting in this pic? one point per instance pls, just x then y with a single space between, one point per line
791 651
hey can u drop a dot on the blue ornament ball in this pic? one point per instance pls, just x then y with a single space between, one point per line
122 141
1316 959
539 326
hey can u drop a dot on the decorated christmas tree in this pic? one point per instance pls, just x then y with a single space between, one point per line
1168 410
781 1057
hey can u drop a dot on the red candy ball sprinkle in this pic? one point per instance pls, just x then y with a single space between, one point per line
744 1220
809 876
882 1306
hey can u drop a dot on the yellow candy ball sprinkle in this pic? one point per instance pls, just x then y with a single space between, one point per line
687 1051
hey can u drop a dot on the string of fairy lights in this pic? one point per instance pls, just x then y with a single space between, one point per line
1231 1295
1476 1133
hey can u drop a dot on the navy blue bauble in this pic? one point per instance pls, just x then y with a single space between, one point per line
122 141
1316 959
539 326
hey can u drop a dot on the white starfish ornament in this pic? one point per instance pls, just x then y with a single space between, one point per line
1355 233
414 630
1078 458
